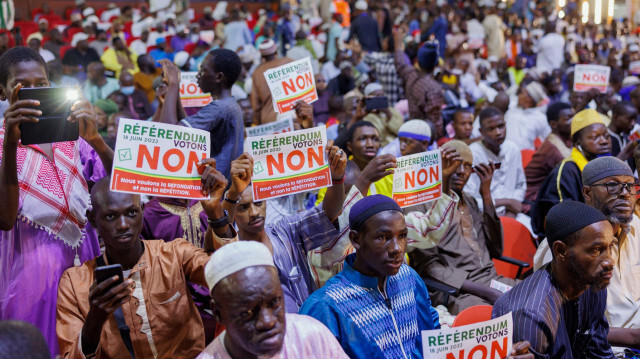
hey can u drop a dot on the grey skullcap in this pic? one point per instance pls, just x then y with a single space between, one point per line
566 218
603 167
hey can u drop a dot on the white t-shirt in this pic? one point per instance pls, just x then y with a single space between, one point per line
524 126
550 52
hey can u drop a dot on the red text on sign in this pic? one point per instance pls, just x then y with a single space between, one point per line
497 351
152 159
432 177
295 160
299 83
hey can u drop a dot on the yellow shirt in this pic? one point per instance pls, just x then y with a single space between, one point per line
383 186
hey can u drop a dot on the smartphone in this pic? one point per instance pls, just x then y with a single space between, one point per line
55 104
376 103
495 165
106 272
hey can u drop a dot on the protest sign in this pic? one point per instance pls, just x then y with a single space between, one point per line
279 126
484 340
289 163
190 93
587 77
635 135
417 178
291 83
158 159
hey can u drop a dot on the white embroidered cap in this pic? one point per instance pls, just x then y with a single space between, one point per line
234 257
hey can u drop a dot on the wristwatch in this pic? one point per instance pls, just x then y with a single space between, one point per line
220 222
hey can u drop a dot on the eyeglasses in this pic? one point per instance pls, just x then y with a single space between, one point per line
616 187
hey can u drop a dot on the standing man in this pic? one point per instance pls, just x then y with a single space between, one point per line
261 100
44 196
494 28
560 309
550 54
365 28
222 117
423 92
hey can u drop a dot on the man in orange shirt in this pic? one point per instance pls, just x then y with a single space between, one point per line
152 304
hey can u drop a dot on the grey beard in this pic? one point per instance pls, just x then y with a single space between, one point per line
612 217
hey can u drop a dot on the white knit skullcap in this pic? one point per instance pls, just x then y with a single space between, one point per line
234 257
371 88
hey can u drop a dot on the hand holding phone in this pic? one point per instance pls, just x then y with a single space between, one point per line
108 292
18 113
53 106
376 103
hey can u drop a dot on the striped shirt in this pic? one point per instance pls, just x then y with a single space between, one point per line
555 327
292 237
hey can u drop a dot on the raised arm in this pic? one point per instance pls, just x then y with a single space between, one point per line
333 200
214 184
171 76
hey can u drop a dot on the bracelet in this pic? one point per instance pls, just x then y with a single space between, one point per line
220 222
339 181
231 201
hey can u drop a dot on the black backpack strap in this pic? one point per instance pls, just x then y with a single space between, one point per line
125 332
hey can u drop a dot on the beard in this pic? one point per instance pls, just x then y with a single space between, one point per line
613 216
581 275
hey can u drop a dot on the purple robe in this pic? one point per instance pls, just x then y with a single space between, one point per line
32 261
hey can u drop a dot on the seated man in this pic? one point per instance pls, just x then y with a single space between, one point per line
508 184
555 148
153 298
564 183
375 283
413 136
291 238
248 301
387 121
560 309
608 187
623 120
463 257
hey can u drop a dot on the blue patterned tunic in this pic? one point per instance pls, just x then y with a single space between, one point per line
370 324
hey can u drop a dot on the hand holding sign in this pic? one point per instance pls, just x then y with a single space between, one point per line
213 183
376 169
170 72
337 162
521 351
304 113
241 173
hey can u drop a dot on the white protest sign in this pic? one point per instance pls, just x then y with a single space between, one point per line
279 126
486 340
500 286
190 93
291 83
158 159
587 77
418 178
289 163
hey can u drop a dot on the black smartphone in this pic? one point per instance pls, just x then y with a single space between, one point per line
495 165
106 272
55 104
376 103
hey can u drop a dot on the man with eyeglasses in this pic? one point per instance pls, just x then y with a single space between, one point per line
610 187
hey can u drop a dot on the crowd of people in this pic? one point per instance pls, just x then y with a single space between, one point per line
338 272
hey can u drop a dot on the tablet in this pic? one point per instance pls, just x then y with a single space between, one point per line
55 104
